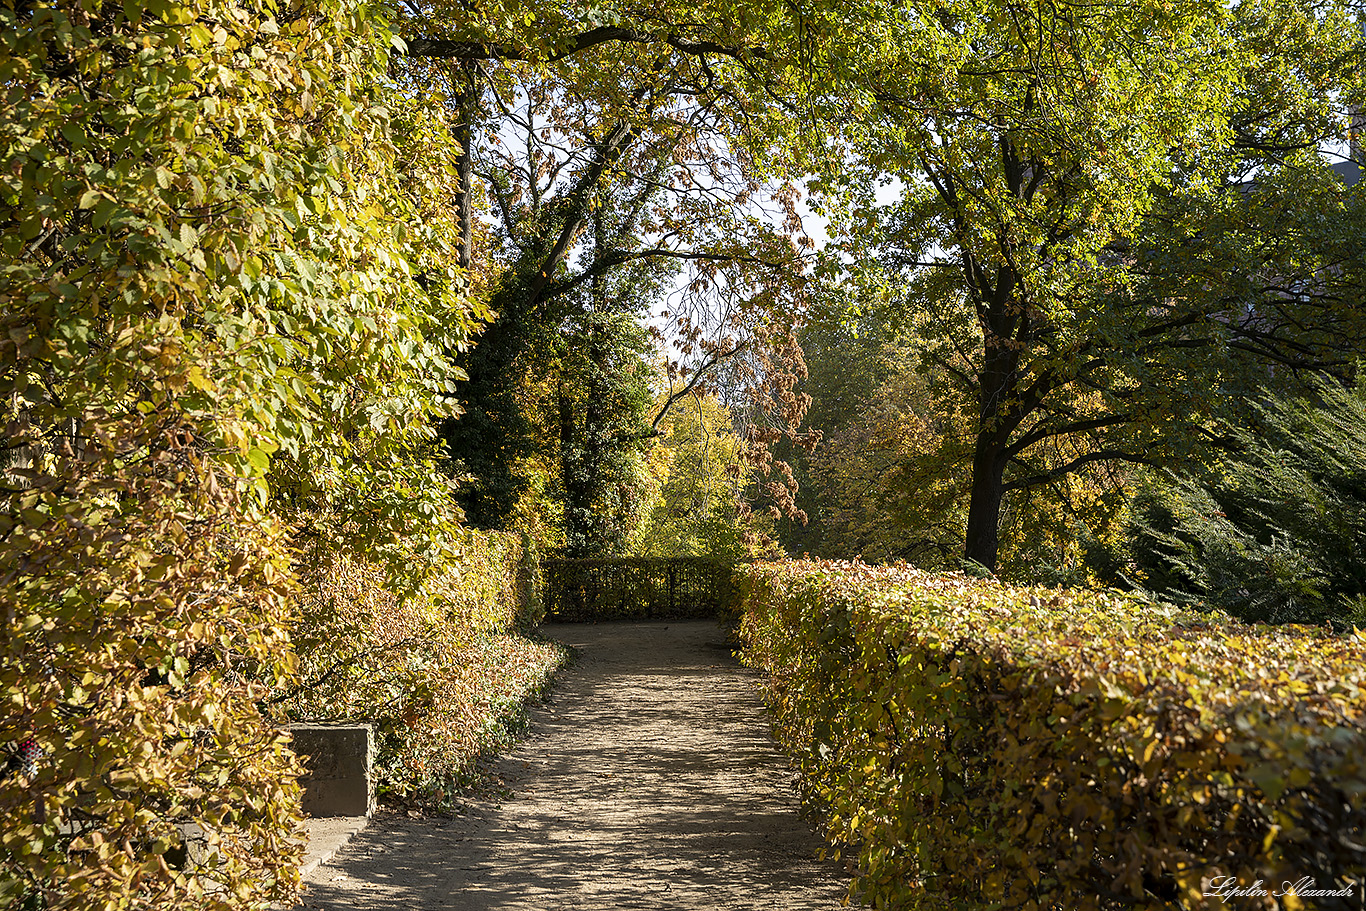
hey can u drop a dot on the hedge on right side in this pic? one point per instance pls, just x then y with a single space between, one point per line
985 746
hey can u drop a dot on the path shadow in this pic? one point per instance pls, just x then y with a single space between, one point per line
647 781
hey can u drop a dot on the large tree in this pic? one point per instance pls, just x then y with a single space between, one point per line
596 149
891 476
1075 232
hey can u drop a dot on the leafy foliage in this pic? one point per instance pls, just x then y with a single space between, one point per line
603 397
701 472
1070 233
438 672
609 181
891 477
983 746
1276 531
211 328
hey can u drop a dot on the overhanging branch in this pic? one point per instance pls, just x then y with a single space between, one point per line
1104 455
574 44
692 384
613 258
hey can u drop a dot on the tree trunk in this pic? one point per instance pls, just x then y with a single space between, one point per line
995 424
988 493
468 105
578 491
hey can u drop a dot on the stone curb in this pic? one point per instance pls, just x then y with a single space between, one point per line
327 836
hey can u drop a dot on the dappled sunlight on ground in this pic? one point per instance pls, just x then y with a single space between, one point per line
648 781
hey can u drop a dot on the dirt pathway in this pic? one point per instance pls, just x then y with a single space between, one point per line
648 781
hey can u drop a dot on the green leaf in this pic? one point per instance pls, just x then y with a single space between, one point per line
259 460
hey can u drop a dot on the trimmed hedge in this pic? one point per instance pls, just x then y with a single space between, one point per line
440 671
985 746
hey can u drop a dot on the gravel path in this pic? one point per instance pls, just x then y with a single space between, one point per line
647 781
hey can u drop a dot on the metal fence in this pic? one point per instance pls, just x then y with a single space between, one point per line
635 588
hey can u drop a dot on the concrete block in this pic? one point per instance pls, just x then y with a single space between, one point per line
337 760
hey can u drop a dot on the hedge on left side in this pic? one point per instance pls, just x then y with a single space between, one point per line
439 672
202 264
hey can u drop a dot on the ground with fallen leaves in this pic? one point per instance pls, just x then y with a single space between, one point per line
647 780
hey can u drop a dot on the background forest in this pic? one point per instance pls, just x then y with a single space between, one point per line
324 322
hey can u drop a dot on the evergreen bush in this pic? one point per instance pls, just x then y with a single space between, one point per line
1276 532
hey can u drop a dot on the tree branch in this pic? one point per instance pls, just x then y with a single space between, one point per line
1039 434
1103 455
613 258
574 44
692 384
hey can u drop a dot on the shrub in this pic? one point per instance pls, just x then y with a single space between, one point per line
984 746
1277 531
206 302
438 671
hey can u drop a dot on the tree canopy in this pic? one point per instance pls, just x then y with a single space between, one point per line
1076 237
303 279
660 167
